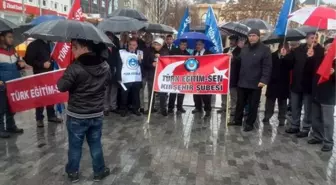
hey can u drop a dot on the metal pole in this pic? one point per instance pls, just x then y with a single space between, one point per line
23 11
40 7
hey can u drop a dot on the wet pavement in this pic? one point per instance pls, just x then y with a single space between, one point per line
175 150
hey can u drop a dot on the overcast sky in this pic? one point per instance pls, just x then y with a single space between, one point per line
330 1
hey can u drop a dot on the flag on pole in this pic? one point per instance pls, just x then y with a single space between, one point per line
212 31
184 24
62 50
281 26
326 65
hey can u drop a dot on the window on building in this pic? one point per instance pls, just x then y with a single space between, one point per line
56 6
65 8
44 2
31 1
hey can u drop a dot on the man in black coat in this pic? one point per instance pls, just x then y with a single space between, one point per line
303 60
38 56
114 61
255 73
169 43
205 99
323 107
150 62
182 50
234 50
278 87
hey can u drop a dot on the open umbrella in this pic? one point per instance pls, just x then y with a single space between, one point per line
120 24
66 30
6 25
319 17
192 38
127 12
292 35
159 28
257 24
200 28
44 18
235 28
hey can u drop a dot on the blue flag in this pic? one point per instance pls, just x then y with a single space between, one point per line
212 31
281 26
184 24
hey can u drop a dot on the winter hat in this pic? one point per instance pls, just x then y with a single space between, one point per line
158 40
254 31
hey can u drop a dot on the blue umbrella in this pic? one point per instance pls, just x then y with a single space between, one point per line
45 18
192 38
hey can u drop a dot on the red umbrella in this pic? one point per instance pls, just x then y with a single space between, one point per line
319 17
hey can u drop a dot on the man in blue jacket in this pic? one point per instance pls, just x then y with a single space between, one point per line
10 66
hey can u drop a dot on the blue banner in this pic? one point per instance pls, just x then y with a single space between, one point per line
212 31
184 24
281 26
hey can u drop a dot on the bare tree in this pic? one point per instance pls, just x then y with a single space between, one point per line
175 12
267 10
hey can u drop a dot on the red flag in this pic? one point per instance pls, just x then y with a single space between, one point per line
62 50
326 65
207 74
35 91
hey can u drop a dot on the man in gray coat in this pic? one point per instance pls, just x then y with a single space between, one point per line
254 74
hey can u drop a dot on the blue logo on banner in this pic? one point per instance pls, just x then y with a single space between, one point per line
191 64
132 63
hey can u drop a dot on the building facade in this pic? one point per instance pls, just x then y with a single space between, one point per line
17 10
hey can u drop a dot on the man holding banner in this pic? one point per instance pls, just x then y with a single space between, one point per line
9 70
38 56
203 98
131 77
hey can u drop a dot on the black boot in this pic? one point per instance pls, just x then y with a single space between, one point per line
102 175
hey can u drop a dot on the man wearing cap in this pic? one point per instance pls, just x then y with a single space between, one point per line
234 51
150 62
203 98
254 74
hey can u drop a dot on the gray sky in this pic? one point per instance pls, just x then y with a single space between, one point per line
330 1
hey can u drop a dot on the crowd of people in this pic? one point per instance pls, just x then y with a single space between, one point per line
92 81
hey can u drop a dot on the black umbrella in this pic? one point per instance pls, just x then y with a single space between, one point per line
159 28
120 24
235 28
66 30
308 29
127 12
292 35
6 25
17 32
257 24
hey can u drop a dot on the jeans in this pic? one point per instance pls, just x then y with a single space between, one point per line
250 97
111 93
299 99
78 129
269 109
5 112
50 113
323 123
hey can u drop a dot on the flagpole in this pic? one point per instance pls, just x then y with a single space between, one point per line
228 96
152 95
288 21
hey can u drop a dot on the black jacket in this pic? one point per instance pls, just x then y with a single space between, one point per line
255 66
149 60
177 51
114 61
173 47
304 67
235 66
85 80
325 92
278 86
37 53
206 52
